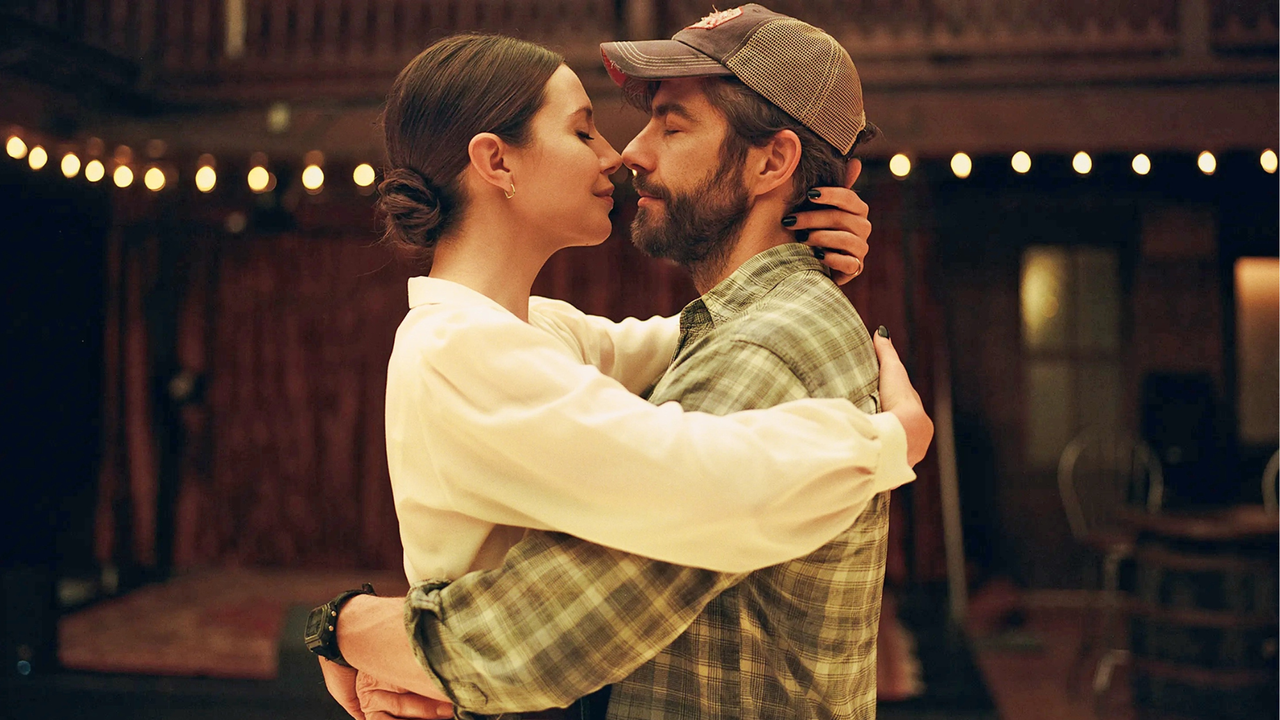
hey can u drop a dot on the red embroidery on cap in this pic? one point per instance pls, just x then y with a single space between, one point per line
612 68
715 19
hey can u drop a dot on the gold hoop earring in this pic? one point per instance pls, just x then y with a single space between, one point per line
512 193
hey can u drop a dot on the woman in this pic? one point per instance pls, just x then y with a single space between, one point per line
507 412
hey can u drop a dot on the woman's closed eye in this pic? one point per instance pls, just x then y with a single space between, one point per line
586 136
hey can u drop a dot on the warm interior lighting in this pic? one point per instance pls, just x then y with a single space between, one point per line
961 165
313 178
1141 164
154 179
1021 162
363 175
259 178
1044 289
206 179
122 177
70 165
900 165
38 158
1268 160
94 171
1082 163
15 147
1207 162
1257 331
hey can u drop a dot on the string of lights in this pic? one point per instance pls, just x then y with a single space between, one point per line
157 175
1082 163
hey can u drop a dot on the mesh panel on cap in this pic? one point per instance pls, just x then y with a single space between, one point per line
805 73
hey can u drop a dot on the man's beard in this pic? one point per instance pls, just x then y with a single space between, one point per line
700 226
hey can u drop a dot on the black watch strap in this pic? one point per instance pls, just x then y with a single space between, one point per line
321 634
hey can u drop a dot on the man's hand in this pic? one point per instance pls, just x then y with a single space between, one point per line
341 682
900 398
383 701
840 233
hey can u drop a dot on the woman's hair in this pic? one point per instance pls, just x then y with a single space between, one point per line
455 89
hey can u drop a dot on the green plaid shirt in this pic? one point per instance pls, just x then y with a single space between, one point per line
562 617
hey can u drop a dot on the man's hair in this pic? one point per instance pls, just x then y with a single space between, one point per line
753 121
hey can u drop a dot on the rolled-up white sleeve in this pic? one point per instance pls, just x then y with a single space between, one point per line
495 419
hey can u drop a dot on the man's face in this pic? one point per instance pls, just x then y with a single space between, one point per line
692 204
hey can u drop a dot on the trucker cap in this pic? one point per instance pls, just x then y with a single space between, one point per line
790 63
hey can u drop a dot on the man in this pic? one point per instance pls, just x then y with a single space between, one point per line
748 110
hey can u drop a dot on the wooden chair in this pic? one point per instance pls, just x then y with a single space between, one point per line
1100 475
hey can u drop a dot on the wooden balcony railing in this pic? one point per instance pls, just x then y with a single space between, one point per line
214 49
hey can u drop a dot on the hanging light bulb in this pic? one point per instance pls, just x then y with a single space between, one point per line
1141 164
900 165
961 165
259 178
122 177
1082 163
206 178
1268 160
364 175
37 158
1021 162
154 179
94 171
70 165
313 179
15 147
1207 162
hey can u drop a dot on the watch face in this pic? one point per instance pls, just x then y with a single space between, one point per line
315 623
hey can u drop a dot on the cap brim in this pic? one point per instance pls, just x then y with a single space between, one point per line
656 60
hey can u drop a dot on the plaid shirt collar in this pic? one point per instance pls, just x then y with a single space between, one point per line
746 285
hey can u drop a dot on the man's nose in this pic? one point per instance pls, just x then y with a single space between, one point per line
635 155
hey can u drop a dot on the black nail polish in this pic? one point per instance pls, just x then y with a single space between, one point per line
814 194
819 253
882 331
789 221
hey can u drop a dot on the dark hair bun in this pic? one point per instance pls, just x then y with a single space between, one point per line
415 208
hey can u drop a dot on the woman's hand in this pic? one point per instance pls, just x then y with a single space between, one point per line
838 234
897 396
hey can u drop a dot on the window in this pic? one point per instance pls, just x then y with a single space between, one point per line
1072 371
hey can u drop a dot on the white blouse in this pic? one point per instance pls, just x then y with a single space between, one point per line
495 425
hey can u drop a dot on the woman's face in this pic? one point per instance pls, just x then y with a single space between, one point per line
561 175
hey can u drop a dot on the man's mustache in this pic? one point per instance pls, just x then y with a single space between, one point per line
643 184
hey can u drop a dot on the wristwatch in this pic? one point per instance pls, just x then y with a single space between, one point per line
321 634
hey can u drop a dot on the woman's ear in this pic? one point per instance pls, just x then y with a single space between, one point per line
777 162
488 155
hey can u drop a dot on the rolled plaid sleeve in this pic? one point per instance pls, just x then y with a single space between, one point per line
558 620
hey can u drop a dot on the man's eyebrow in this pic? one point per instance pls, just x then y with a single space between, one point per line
673 108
